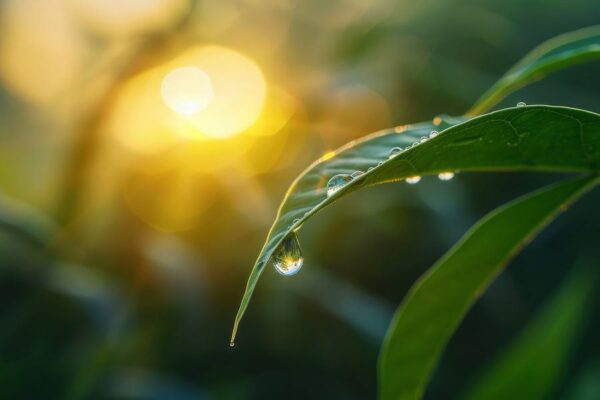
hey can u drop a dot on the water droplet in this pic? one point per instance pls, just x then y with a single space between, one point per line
295 221
413 179
356 174
433 134
380 163
446 176
287 259
370 169
521 104
231 344
394 152
437 121
336 183
423 139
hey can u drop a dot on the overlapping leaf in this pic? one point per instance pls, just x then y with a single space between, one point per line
433 309
541 138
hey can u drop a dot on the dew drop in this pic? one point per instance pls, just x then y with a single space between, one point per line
231 344
287 259
370 169
295 221
336 183
413 179
446 176
356 174
433 134
423 139
394 152
521 104
380 163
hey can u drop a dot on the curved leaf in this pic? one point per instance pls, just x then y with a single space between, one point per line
436 304
542 138
557 53
533 364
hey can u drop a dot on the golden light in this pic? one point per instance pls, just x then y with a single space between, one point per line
115 18
239 91
187 90
204 93
41 51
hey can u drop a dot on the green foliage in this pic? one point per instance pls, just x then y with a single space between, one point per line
532 365
436 304
542 138
555 54
528 138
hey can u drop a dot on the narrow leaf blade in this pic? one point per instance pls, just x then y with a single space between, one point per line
555 54
436 304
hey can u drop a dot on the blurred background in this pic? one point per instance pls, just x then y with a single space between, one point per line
145 146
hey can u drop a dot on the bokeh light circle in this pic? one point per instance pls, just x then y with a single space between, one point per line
187 90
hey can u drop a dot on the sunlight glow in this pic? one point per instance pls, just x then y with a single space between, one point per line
239 91
187 90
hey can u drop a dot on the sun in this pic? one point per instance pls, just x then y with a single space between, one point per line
187 90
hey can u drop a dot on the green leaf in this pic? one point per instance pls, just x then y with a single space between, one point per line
557 53
535 138
533 364
436 304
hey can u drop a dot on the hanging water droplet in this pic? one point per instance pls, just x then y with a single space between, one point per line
356 174
433 134
287 259
231 344
336 183
446 176
423 139
413 179
394 152
521 104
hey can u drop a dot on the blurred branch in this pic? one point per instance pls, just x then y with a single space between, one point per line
88 138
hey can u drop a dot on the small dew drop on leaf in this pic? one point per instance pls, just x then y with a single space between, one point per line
336 183
356 174
423 139
446 176
287 259
394 152
411 180
521 104
433 134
